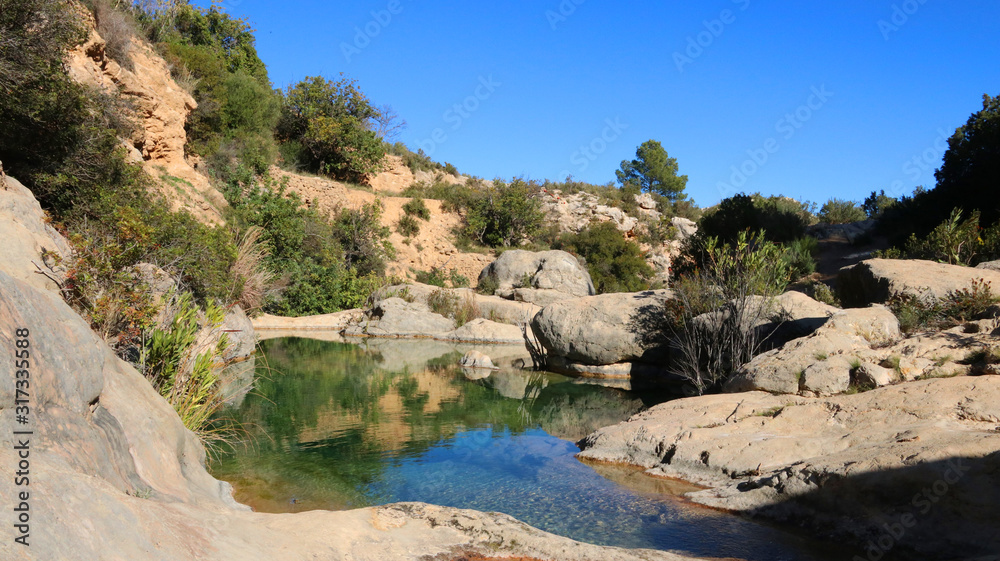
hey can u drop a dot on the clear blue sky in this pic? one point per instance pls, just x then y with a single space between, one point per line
892 78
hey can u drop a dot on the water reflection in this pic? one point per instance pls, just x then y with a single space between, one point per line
332 427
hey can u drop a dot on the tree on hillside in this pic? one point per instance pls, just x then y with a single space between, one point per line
330 124
970 174
654 171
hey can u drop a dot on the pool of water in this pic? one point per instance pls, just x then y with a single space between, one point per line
335 426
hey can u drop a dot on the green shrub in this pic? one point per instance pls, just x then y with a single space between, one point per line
332 120
822 293
450 305
953 241
364 240
416 161
505 214
458 280
839 211
454 197
488 286
187 377
417 207
800 256
442 302
450 169
781 218
615 264
437 276
875 205
407 226
957 307
434 277
326 265
237 109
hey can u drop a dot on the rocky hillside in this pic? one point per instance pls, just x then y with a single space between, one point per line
161 108
432 247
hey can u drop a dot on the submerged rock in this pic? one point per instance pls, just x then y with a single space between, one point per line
476 359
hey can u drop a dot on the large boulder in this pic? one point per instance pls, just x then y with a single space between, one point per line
822 362
605 329
878 280
395 317
29 244
686 228
538 277
793 315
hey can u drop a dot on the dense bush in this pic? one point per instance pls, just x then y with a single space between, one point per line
416 161
237 109
615 264
800 256
504 214
187 376
331 122
956 241
839 211
407 226
62 141
876 204
782 219
454 197
327 265
417 207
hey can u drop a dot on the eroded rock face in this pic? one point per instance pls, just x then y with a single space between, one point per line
878 280
844 466
539 277
29 244
605 329
162 108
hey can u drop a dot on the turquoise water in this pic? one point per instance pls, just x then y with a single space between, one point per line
339 426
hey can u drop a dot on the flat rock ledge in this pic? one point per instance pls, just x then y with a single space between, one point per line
909 469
